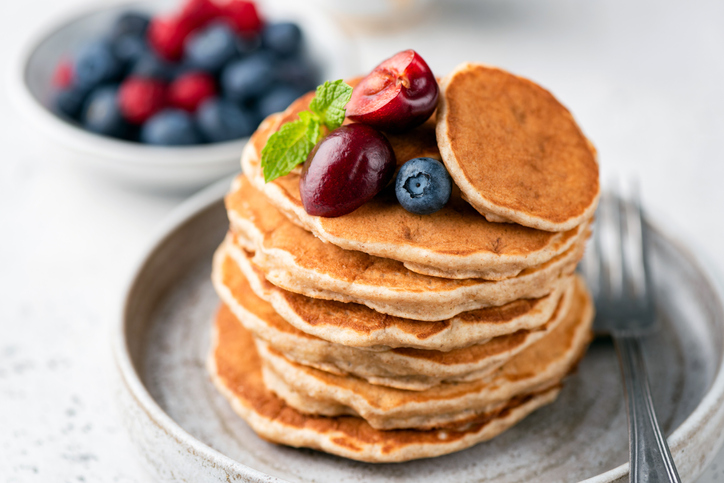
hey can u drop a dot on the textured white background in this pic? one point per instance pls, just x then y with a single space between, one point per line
645 80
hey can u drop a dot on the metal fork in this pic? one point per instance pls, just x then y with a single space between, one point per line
620 277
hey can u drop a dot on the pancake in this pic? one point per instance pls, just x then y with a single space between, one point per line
454 242
540 366
235 369
359 326
403 367
295 260
514 151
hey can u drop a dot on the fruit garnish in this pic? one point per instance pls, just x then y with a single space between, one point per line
190 90
290 146
345 170
397 95
423 186
140 98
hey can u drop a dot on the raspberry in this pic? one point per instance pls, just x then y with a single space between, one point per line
140 98
167 35
198 13
63 75
243 16
190 90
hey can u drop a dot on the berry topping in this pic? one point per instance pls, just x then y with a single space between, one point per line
220 120
95 64
140 98
190 90
63 75
423 186
284 39
102 114
170 127
167 35
345 170
211 48
244 79
399 94
243 16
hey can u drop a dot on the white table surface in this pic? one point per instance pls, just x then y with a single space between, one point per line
644 79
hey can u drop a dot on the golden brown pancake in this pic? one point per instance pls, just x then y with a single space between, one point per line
455 242
359 326
403 367
295 260
541 365
514 151
235 369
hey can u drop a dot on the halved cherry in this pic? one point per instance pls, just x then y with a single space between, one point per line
345 170
399 94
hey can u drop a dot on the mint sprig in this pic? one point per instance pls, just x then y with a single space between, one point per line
292 143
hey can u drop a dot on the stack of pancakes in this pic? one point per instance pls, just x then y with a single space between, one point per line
387 336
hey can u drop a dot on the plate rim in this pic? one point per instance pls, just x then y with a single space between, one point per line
130 380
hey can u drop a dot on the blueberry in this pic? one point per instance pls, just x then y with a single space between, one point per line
170 127
299 72
149 65
423 186
247 44
96 63
69 102
277 99
245 79
102 115
283 38
130 23
212 47
220 120
128 49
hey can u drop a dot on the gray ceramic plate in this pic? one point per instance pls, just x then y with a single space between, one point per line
185 431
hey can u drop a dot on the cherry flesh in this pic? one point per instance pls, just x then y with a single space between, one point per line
345 170
399 94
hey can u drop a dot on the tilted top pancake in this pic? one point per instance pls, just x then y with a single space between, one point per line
455 242
514 151
295 260
539 366
235 369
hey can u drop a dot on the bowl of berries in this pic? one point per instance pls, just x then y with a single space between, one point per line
163 95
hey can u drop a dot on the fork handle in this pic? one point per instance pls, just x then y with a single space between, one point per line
649 454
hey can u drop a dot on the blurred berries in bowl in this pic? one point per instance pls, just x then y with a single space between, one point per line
163 95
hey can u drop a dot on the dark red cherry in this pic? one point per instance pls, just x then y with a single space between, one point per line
345 170
399 94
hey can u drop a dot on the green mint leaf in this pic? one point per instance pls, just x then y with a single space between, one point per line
289 146
330 101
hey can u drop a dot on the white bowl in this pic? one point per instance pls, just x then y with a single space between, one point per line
151 167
